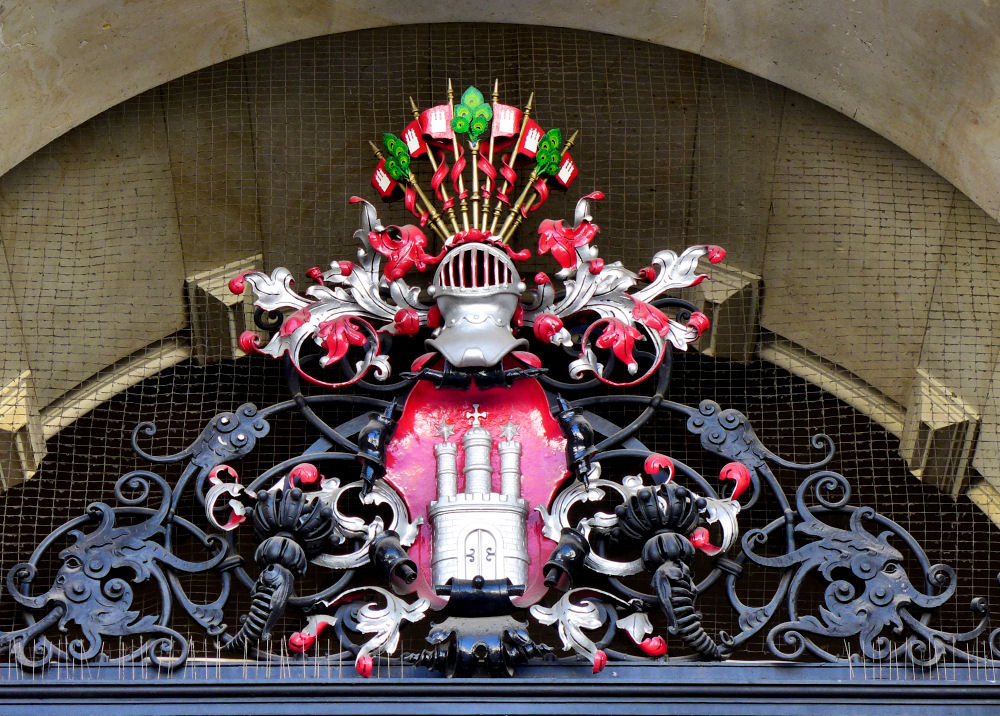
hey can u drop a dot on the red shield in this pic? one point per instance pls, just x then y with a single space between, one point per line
411 465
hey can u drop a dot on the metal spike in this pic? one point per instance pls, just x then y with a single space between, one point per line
462 203
517 145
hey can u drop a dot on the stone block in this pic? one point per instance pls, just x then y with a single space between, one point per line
218 316
731 299
22 442
939 434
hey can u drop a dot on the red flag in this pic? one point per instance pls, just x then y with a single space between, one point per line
436 122
532 136
506 120
567 171
383 183
413 136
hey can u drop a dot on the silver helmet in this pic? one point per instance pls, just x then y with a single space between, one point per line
477 289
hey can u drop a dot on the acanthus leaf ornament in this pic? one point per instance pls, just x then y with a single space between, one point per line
481 486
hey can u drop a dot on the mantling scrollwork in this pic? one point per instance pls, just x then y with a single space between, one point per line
485 491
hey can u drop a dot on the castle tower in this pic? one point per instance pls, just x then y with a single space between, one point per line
510 463
478 443
479 532
446 454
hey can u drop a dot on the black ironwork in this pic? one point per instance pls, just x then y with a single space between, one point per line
877 587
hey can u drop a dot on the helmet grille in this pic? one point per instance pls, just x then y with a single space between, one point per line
475 266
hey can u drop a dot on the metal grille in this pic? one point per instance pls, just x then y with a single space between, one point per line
869 259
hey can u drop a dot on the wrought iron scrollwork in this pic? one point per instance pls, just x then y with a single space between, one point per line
566 527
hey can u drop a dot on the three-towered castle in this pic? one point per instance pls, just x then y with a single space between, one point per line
479 532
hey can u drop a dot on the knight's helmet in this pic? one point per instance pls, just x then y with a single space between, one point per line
477 289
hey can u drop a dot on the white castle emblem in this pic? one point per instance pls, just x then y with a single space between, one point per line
531 139
438 121
383 180
566 171
412 141
479 533
503 121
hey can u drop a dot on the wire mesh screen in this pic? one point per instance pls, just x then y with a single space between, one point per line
859 298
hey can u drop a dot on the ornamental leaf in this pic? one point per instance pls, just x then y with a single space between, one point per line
472 115
397 163
549 154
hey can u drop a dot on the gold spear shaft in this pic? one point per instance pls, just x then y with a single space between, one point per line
475 184
490 182
519 217
434 166
517 146
516 209
439 228
463 205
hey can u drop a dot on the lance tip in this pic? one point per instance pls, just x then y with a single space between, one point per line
413 105
531 98
374 147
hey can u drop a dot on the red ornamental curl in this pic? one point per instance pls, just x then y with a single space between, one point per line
656 463
337 337
700 540
738 473
620 338
699 321
486 168
363 665
600 661
546 326
458 168
407 321
434 317
300 641
410 202
303 474
403 253
715 253
237 284
586 337
365 329
509 176
250 343
438 179
562 241
654 646
294 322
650 316
541 187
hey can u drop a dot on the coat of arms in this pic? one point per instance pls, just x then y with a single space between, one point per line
480 491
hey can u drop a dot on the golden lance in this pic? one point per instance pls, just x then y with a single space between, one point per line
517 146
475 183
490 182
434 166
435 217
454 144
518 216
